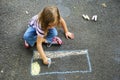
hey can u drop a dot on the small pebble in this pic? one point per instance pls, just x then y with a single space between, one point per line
26 12
104 5
1 71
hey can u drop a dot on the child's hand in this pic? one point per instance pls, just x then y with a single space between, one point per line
69 35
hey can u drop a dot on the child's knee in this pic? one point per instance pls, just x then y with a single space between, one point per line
55 32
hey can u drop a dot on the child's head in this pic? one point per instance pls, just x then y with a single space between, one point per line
49 17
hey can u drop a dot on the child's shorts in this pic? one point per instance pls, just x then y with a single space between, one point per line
30 35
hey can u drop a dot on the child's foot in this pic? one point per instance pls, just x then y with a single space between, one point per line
26 44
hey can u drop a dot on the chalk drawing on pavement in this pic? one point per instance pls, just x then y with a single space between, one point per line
52 54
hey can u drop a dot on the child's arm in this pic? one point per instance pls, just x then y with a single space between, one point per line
64 26
40 49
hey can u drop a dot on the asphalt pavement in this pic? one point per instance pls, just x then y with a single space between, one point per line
101 38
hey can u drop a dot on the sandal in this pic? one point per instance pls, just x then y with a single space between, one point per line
55 40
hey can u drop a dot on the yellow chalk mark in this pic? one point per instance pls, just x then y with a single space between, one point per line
35 68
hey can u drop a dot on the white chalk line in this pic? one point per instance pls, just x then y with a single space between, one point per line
69 72
59 54
66 72
89 63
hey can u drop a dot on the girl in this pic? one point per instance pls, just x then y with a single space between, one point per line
41 29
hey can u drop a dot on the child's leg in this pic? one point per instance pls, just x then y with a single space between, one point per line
30 36
51 34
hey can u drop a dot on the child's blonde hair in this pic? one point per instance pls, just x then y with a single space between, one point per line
50 14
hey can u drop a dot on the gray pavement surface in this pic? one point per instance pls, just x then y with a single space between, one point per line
101 38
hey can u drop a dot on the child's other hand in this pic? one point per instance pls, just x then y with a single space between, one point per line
69 35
